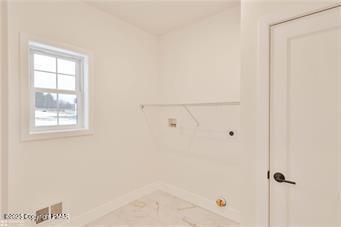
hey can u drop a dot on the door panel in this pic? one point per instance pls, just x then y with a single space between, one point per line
305 116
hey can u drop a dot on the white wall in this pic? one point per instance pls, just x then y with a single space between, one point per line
198 63
87 171
254 200
201 63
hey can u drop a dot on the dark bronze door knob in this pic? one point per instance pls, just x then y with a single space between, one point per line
280 178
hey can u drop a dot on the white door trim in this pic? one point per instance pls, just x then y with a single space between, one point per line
3 109
263 106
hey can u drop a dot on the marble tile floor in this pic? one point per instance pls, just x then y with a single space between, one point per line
162 209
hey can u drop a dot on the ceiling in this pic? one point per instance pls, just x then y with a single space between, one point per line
160 17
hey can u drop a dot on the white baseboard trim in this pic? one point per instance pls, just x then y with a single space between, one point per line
198 200
106 208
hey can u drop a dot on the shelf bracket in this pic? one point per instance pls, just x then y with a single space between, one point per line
190 114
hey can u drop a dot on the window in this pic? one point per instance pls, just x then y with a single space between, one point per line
58 89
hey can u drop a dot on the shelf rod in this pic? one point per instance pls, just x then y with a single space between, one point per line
186 105
191 104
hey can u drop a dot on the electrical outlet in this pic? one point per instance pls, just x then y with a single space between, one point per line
42 215
172 122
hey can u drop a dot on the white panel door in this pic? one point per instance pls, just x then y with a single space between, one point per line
305 121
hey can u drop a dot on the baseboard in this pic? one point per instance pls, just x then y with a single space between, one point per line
113 205
198 200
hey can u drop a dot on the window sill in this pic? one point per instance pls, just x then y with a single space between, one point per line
56 134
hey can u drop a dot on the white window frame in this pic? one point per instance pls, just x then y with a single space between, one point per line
79 60
31 45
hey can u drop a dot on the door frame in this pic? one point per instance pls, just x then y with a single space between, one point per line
263 104
3 109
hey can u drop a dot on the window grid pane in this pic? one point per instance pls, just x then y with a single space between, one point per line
56 76
66 67
46 109
66 82
44 63
67 109
66 74
56 109
44 80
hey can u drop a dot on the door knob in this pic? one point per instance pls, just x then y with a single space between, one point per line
279 177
